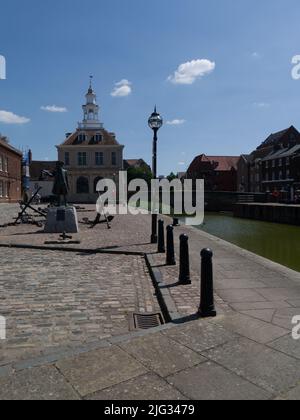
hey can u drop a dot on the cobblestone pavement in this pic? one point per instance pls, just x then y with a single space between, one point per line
247 352
53 299
8 212
128 233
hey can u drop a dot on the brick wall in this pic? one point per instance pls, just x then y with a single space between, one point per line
10 174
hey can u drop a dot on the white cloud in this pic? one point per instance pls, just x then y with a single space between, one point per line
261 105
256 55
7 117
176 122
188 73
53 108
122 89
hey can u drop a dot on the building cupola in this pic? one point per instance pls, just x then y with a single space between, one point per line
90 111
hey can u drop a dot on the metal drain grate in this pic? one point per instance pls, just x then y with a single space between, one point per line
147 321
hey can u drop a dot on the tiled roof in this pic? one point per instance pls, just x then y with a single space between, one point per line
225 163
291 151
218 163
283 153
108 139
136 163
275 138
4 143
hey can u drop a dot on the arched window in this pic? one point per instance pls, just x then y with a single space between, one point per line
83 185
96 180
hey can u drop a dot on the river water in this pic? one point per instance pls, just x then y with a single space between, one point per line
277 242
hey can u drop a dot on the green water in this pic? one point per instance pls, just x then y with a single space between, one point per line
279 243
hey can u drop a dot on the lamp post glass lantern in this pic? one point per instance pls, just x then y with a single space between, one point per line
155 122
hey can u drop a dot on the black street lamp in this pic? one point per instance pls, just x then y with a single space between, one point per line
155 123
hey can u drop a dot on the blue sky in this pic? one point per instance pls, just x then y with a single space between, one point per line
225 105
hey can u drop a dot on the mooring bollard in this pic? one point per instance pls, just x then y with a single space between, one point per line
184 276
161 237
176 222
207 305
170 246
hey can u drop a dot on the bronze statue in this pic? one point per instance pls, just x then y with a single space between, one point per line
61 183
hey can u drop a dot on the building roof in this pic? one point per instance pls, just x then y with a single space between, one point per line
291 151
287 152
275 138
108 139
136 163
275 154
225 163
247 158
37 167
217 163
6 145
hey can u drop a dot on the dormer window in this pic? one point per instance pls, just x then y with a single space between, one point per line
98 138
81 138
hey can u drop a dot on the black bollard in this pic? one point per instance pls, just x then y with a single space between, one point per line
176 222
170 246
184 276
161 237
207 305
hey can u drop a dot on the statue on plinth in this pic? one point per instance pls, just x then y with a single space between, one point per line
61 218
61 186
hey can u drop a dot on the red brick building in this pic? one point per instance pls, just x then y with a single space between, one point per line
10 172
219 172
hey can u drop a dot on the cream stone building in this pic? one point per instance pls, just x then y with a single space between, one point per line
90 154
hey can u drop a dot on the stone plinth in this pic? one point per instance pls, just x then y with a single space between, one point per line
62 219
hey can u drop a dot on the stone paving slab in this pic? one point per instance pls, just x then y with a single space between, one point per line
200 336
292 395
294 302
210 381
146 387
254 329
162 355
240 295
44 383
262 314
95 371
283 317
269 369
273 294
240 369
287 345
258 306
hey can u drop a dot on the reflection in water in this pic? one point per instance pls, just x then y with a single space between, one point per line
279 243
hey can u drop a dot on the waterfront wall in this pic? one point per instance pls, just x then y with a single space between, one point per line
217 201
276 213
